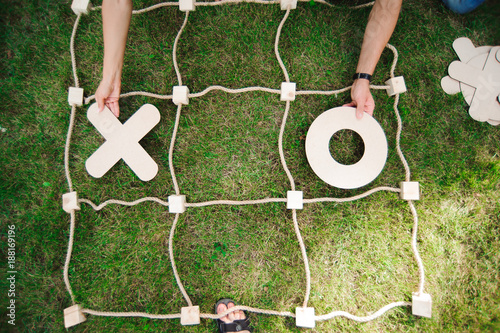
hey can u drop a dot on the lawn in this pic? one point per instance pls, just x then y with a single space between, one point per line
227 148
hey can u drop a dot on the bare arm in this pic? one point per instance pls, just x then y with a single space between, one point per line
116 16
379 29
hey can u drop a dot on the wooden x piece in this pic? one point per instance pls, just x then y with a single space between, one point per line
122 141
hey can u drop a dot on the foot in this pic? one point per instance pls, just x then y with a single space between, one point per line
236 315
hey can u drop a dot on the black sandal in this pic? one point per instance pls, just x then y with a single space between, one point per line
237 325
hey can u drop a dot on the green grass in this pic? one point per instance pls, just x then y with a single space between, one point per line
227 148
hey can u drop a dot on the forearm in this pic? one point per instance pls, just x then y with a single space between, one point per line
116 16
380 26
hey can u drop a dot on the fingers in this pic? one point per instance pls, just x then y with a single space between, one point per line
108 94
362 98
114 107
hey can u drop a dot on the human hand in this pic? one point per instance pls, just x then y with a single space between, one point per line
362 98
108 94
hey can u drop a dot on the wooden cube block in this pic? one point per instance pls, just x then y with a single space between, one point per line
409 190
180 95
396 85
75 96
81 6
70 202
421 305
305 317
186 5
294 200
287 91
285 3
176 203
73 316
190 315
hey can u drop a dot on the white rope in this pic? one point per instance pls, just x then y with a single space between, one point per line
174 52
280 146
67 146
234 91
225 2
369 4
276 42
131 314
238 91
121 202
415 250
172 260
68 256
398 140
249 309
160 5
304 257
395 60
236 202
178 315
361 319
72 50
171 150
353 198
134 93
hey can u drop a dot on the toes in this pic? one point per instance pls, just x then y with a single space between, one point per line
231 316
221 308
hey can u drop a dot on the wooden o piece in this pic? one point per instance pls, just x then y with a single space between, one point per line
324 165
122 141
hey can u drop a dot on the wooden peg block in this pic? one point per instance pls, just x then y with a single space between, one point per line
287 91
294 200
396 85
177 204
75 96
180 95
187 5
410 190
304 317
81 6
190 315
421 305
70 202
73 316
285 3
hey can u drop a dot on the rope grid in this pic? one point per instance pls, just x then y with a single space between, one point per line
234 202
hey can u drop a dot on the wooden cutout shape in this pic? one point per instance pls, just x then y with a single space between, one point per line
465 51
450 86
487 83
122 141
324 165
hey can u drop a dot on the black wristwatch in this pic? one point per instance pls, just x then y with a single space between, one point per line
362 76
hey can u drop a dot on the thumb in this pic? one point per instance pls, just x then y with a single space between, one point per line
359 111
100 102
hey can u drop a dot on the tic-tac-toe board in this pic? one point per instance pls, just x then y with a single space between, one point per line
122 143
